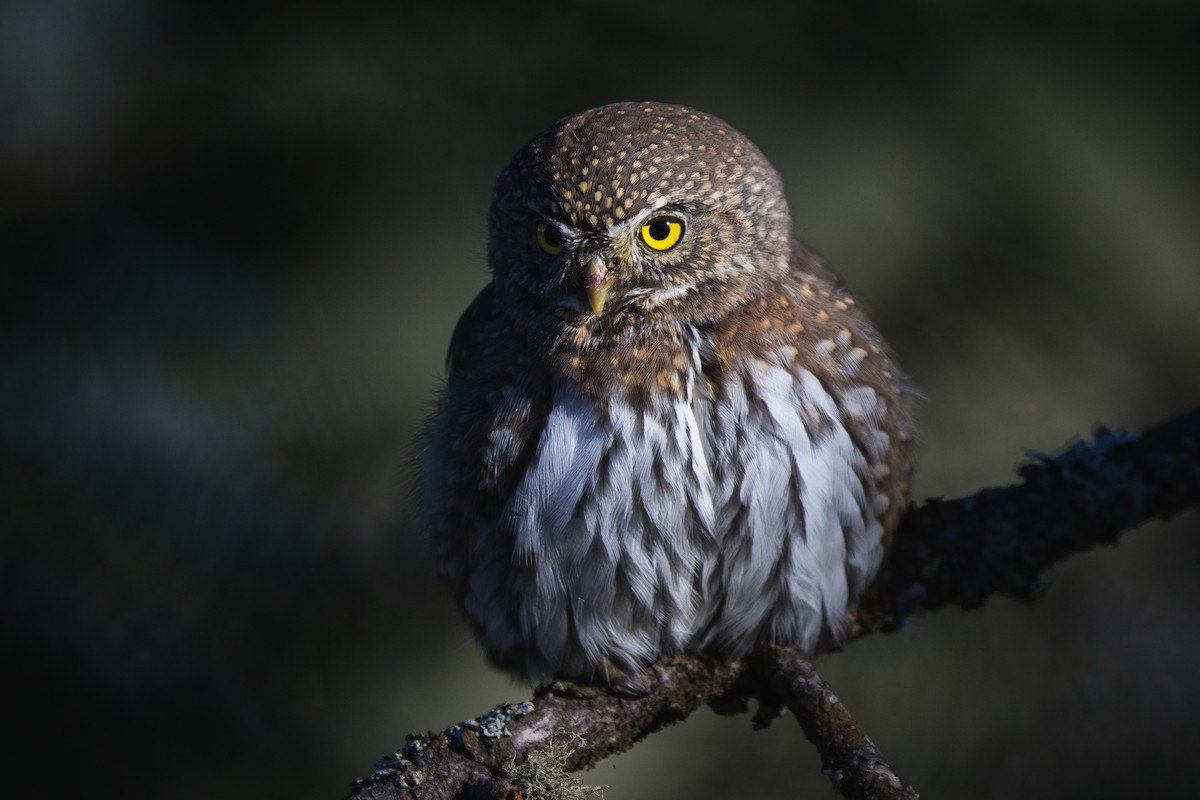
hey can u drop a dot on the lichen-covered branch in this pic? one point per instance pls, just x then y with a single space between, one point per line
1002 540
957 552
466 759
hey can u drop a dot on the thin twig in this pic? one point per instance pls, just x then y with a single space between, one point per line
848 757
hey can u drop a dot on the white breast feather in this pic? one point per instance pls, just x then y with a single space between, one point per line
789 519
768 534
616 553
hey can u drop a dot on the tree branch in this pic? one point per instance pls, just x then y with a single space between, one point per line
1002 540
466 759
958 552
851 760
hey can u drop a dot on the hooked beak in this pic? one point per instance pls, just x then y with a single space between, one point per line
596 282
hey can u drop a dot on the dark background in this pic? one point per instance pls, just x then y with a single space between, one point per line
235 243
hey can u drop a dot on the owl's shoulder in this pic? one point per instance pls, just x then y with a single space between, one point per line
496 399
477 329
807 321
783 319
808 263
492 351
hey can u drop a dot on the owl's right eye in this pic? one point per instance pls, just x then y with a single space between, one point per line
549 238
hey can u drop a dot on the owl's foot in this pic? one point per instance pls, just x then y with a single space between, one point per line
736 699
625 680
627 684
607 677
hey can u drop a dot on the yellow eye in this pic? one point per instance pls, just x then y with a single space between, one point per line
662 233
549 238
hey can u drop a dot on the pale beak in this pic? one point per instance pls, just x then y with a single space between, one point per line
596 282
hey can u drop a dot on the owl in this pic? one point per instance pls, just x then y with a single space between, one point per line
666 426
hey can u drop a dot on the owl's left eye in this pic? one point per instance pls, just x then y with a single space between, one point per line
549 238
662 233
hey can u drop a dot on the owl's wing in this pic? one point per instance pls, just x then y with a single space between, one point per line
807 260
872 372
479 445
497 393
465 341
496 399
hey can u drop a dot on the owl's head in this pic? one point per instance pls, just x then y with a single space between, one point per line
637 206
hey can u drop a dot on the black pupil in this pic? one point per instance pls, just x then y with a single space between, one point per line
660 229
552 236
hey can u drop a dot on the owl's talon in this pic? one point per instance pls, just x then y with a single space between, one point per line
577 689
623 682
607 679
629 687
730 705
766 714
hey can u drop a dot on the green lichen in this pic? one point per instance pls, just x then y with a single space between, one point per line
544 774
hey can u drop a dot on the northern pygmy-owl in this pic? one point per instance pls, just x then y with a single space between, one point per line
667 427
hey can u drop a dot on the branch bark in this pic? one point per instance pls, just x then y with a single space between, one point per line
1002 540
850 759
957 552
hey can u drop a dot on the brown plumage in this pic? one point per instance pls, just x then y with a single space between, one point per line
667 426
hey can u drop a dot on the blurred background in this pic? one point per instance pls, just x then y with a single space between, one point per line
235 242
